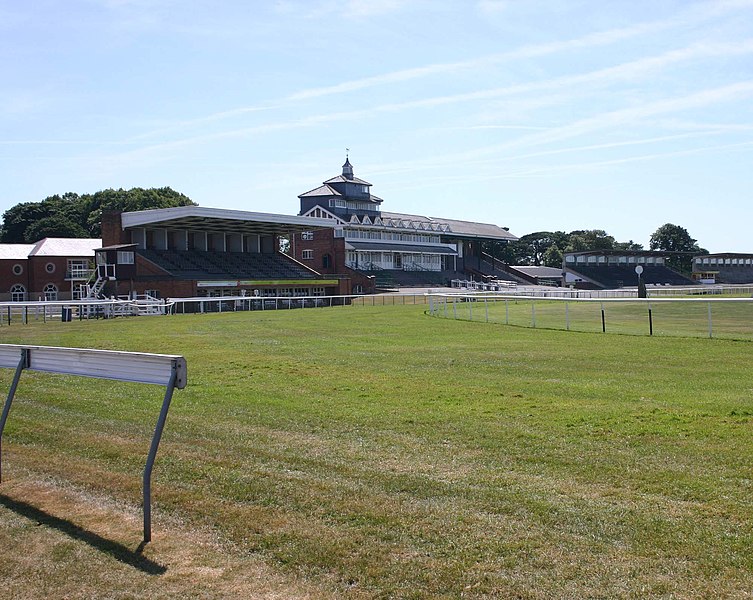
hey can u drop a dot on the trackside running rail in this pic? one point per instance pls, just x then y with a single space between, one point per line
158 369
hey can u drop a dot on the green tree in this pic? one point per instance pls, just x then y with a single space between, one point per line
583 240
71 215
56 225
629 245
673 238
552 257
532 247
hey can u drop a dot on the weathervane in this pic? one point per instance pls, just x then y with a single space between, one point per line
347 151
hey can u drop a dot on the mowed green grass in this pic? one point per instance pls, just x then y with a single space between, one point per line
680 317
390 454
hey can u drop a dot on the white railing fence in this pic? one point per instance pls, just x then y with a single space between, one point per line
684 317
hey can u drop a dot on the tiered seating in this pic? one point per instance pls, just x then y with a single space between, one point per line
616 276
197 264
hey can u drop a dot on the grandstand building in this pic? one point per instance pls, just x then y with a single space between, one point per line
610 269
193 251
732 268
400 249
50 269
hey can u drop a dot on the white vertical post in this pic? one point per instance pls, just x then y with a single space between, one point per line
710 322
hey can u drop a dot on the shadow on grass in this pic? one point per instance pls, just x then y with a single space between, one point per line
117 551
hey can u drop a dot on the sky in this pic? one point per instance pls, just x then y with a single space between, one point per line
530 114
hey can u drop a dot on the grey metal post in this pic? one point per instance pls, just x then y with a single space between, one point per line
153 453
22 364
567 317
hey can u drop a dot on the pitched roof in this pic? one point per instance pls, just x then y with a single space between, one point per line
15 251
343 179
66 247
459 228
322 190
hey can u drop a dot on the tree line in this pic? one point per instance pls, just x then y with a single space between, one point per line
79 216
547 248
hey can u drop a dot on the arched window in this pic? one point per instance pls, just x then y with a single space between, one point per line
18 293
51 292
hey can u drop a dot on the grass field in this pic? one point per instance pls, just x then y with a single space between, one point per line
377 452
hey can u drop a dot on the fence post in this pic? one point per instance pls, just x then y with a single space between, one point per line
603 320
710 322
567 317
650 321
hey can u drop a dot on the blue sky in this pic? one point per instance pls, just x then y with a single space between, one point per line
535 115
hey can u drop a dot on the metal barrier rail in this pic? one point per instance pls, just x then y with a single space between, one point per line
158 369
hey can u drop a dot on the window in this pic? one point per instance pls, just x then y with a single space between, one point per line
50 292
49 267
307 235
18 293
358 289
326 261
317 291
18 269
125 258
307 254
152 294
79 269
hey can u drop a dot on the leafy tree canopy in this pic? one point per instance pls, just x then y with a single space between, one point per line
673 238
71 215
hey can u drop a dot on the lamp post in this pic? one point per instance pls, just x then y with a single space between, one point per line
641 284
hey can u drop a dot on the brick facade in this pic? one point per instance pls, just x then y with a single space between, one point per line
328 258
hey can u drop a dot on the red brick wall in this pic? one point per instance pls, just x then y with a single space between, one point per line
8 279
112 229
325 242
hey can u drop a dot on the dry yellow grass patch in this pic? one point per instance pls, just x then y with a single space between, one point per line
62 542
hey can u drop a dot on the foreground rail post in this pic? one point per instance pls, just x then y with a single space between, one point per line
22 364
153 454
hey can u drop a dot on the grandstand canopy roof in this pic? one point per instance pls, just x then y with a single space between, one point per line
458 229
221 220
